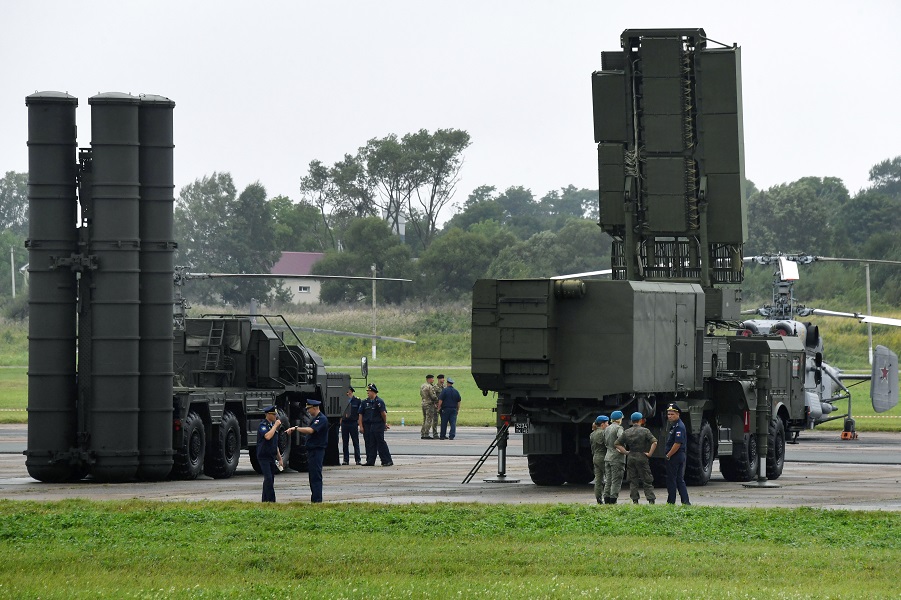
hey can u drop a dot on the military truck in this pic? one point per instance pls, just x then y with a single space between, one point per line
121 386
558 352
228 369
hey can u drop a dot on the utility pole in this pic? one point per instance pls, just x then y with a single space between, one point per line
373 312
12 269
869 312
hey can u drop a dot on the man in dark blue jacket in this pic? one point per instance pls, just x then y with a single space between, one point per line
373 423
449 406
267 451
349 431
676 444
316 444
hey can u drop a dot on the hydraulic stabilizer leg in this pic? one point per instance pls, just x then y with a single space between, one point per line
502 437
764 414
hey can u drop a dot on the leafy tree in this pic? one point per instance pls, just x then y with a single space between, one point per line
452 264
405 180
481 205
14 202
319 190
477 213
368 241
885 279
868 213
886 177
298 227
750 189
794 217
219 231
578 247
394 173
251 235
497 235
438 158
569 203
354 189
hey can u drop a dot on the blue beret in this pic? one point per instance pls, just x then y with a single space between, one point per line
617 415
602 419
636 416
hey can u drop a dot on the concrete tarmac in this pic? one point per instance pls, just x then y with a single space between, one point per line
821 471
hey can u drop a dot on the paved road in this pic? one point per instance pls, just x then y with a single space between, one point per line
821 471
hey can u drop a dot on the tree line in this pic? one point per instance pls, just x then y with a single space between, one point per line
381 206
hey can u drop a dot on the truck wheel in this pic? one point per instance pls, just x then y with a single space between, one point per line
284 440
699 465
580 470
225 448
742 464
546 469
775 450
188 460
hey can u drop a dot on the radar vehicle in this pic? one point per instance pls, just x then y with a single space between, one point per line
559 352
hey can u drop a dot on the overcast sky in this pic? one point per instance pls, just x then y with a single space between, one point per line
262 88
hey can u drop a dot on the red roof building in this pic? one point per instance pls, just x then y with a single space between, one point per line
303 291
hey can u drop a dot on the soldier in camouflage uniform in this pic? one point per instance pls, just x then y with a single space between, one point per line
439 387
641 444
615 460
598 454
429 395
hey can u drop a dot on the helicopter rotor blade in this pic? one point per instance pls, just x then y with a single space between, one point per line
859 316
857 260
769 259
586 274
285 276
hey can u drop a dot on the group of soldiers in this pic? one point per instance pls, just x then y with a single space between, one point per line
438 399
611 445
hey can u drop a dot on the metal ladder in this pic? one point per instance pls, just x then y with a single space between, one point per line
214 345
500 434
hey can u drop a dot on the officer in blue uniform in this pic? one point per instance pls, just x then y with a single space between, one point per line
349 419
316 443
268 453
676 444
448 407
373 423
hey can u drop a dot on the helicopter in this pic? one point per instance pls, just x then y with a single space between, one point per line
824 384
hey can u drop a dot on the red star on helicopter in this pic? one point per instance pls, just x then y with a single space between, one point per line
884 376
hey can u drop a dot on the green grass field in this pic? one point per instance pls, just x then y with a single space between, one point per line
443 338
399 387
132 549
13 394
